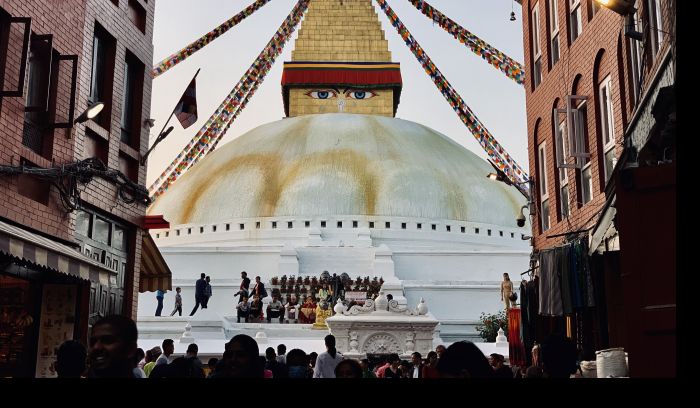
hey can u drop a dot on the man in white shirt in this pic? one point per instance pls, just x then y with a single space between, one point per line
274 309
168 350
417 365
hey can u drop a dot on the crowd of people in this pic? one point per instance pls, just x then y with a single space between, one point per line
113 352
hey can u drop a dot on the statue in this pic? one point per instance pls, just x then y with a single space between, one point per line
354 343
323 312
507 291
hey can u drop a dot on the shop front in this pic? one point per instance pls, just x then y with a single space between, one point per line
44 300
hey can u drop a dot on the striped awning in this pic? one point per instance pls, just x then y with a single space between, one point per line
33 249
155 273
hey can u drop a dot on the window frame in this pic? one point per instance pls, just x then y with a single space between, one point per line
536 45
554 32
545 221
607 124
656 24
575 9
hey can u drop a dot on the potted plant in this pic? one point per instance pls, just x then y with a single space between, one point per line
299 280
314 281
307 280
303 290
490 323
274 281
283 280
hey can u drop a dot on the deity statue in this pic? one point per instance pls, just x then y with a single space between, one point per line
323 312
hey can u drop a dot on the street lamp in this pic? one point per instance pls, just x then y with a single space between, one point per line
90 113
622 7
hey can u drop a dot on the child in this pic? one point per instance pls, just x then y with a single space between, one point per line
178 302
243 310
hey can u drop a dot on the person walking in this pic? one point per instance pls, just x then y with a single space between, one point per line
178 302
207 293
199 289
159 297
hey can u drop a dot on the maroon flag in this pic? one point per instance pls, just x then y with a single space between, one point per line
186 110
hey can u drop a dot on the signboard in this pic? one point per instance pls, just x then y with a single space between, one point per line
57 325
358 297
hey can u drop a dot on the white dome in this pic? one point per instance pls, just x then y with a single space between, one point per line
340 164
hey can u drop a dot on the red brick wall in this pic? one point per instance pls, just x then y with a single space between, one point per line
73 23
600 34
63 19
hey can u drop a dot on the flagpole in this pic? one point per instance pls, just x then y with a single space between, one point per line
163 133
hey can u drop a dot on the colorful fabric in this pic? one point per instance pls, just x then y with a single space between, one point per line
186 110
513 69
218 124
184 53
354 74
516 349
496 152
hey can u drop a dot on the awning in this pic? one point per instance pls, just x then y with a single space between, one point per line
155 273
43 252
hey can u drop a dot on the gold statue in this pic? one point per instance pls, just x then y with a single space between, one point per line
323 312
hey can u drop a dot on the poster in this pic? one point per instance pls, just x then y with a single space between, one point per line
57 325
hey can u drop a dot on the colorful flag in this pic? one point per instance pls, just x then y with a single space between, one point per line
186 110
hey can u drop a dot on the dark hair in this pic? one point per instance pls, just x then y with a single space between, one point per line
330 344
297 357
192 348
70 359
250 348
270 353
417 354
212 362
431 354
355 368
139 355
178 288
281 349
393 358
203 275
125 327
244 273
464 359
167 341
390 297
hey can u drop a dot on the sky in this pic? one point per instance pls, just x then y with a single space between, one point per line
498 101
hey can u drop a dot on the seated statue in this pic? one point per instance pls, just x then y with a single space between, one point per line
323 312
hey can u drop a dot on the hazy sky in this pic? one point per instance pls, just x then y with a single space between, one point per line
497 100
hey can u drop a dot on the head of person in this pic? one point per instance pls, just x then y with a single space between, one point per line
112 347
275 297
389 297
506 277
464 360
155 353
168 347
192 350
297 363
244 299
203 275
330 345
416 358
281 349
496 360
212 363
208 279
178 289
270 354
394 361
558 355
348 368
244 275
364 363
244 362
533 372
257 279
312 358
439 350
138 356
70 359
432 358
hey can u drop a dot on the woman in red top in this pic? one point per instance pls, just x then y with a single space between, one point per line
429 369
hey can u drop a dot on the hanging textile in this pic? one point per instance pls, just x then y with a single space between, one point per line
513 69
495 151
516 349
217 125
564 266
550 287
161 67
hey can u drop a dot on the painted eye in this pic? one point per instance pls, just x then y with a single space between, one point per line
322 94
360 94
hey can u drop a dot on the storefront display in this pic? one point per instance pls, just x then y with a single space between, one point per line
57 325
16 325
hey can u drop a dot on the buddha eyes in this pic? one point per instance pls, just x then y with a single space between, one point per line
330 94
360 94
322 94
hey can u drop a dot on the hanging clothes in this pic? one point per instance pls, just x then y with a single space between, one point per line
516 349
564 267
550 286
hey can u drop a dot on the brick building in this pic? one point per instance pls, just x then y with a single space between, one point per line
65 243
594 78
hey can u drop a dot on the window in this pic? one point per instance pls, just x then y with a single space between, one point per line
476 230
536 48
463 230
355 224
189 231
387 225
554 31
37 131
131 101
489 232
403 225
129 167
95 146
371 224
241 227
580 136
290 224
500 233
201 230
587 184
542 176
419 226
307 224
575 23
448 228
655 25
119 239
257 225
434 226
137 15
562 153
101 230
323 224
213 228
102 73
82 223
594 8
274 224
607 127
635 57
340 224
